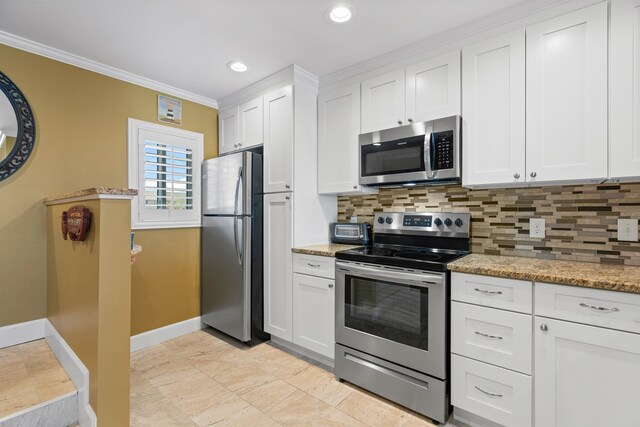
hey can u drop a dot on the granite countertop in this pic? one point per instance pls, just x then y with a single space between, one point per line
585 274
326 249
93 191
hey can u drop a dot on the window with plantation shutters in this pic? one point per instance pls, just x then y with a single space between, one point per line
164 166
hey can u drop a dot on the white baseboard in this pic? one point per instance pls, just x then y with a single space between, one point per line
78 373
157 336
21 333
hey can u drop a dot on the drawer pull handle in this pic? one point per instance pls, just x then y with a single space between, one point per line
488 393
484 291
495 337
313 265
596 307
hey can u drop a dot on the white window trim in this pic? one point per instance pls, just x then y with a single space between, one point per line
135 126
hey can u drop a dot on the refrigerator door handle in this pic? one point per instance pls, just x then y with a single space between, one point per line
235 204
235 238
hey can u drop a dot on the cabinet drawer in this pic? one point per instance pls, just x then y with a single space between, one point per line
497 292
490 392
321 266
611 309
494 336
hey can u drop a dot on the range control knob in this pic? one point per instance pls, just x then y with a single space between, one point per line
437 221
458 222
389 220
447 222
380 220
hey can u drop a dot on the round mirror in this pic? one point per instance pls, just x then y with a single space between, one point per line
17 128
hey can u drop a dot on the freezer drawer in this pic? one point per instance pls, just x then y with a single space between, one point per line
226 275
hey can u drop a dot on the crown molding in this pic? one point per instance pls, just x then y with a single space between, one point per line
100 68
498 23
292 74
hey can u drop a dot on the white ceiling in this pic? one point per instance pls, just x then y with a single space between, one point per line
187 43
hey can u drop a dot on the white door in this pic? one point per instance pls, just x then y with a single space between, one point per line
228 132
313 313
625 89
493 111
278 265
278 140
383 99
251 119
567 97
585 376
338 129
433 88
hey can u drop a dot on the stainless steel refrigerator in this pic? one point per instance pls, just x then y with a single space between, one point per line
232 294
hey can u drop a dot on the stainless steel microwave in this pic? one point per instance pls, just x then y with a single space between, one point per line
419 153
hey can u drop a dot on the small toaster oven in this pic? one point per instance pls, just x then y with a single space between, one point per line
355 233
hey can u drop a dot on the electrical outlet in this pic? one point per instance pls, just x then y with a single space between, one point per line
536 227
354 219
627 230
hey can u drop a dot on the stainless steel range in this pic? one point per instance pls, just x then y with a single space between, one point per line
392 309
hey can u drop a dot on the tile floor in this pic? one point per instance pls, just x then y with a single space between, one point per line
30 374
204 379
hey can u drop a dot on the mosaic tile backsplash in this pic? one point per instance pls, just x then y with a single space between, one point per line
581 220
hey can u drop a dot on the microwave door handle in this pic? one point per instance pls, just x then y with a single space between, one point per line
429 154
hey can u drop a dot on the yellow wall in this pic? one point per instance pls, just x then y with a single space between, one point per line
10 142
88 301
81 126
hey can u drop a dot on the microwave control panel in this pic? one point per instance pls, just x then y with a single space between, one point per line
442 150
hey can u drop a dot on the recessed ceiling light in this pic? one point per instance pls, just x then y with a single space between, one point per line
237 66
340 13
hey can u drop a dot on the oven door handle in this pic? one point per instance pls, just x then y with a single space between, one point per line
419 279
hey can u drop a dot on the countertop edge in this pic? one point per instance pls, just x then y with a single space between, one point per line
92 193
577 280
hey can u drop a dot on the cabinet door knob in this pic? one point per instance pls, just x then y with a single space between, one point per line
533 174
287 186
516 175
287 197
399 122
331 285
355 187
544 327
235 145
410 120
239 144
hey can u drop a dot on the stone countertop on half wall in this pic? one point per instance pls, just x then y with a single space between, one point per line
92 193
326 249
584 274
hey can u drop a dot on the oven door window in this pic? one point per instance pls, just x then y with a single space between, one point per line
388 310
401 156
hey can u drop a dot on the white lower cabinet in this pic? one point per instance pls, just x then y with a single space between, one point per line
585 375
313 313
586 356
496 394
278 295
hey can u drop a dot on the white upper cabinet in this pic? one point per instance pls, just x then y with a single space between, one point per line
383 99
251 132
433 88
228 133
278 140
567 97
338 129
493 111
625 89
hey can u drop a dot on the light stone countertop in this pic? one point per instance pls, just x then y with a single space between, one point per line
326 249
93 191
621 278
